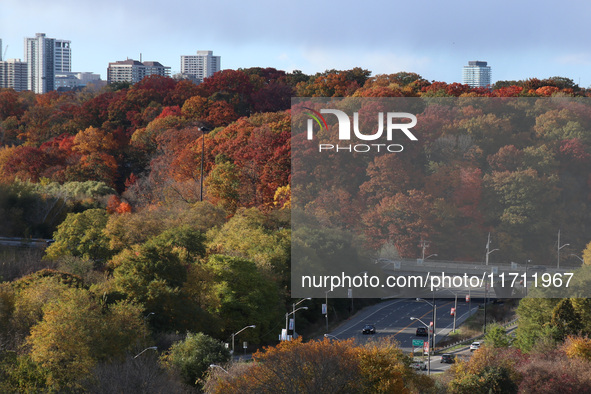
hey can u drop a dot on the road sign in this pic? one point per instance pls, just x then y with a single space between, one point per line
245 344
453 312
291 324
426 347
418 342
324 309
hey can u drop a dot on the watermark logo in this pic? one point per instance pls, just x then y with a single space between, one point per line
392 121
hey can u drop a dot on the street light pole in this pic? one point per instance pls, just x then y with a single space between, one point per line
558 250
233 335
217 366
148 348
289 313
428 339
487 249
326 303
434 315
294 311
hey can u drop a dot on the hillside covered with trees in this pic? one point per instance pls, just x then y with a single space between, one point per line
144 256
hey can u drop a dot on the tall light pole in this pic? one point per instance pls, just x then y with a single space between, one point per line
487 249
455 305
148 348
558 250
434 316
233 335
217 366
579 257
428 339
294 311
365 273
326 306
203 130
526 268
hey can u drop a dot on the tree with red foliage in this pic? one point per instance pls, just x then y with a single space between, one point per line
404 219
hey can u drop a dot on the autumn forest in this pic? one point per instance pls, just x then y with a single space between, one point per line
169 208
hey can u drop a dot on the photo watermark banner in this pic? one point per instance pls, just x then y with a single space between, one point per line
458 197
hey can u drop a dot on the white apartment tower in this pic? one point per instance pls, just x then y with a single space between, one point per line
200 66
45 57
477 74
39 56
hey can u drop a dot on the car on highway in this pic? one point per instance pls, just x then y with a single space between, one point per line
474 346
419 364
448 358
368 329
422 332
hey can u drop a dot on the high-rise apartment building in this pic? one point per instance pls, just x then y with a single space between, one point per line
63 56
13 74
45 57
200 66
133 71
39 56
1 50
477 74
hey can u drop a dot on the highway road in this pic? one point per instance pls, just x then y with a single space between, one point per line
392 318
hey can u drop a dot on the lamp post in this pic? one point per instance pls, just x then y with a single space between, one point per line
579 257
326 304
293 313
526 269
455 306
203 130
148 348
434 316
428 339
487 249
362 272
217 366
558 250
233 335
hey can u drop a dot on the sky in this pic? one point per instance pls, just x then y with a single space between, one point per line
434 38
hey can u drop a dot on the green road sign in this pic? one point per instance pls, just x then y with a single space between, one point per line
417 342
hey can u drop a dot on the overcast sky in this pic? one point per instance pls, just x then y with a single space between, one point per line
434 38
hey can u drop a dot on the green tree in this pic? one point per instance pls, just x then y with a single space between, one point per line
240 295
223 184
76 332
566 319
192 357
82 235
496 336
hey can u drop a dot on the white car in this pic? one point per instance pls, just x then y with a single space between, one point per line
474 346
419 364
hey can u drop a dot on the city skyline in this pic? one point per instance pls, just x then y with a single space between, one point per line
432 39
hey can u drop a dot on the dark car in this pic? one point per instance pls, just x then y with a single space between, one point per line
422 332
448 358
368 329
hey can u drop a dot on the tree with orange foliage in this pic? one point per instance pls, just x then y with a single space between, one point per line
323 367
